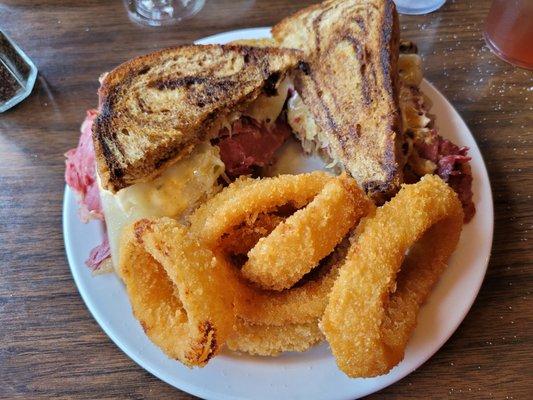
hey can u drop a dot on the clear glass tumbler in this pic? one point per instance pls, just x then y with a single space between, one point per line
509 31
416 7
162 12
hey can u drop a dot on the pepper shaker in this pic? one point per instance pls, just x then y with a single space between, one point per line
17 73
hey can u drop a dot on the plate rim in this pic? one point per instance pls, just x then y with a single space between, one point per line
205 392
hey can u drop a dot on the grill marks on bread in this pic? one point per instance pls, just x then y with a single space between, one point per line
154 109
350 87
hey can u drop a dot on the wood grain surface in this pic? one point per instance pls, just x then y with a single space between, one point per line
51 347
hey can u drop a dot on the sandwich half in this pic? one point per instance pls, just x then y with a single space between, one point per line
346 106
173 124
357 99
156 108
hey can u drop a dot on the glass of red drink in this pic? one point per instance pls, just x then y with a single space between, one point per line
509 31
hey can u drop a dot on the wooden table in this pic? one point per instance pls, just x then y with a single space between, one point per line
51 347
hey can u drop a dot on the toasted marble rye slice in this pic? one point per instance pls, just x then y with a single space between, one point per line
349 86
156 108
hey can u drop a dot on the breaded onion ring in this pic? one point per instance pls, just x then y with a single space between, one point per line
371 314
301 304
270 340
180 293
297 244
421 270
247 197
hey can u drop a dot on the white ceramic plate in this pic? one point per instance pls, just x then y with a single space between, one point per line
313 374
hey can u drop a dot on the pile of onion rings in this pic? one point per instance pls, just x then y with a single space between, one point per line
251 218
278 264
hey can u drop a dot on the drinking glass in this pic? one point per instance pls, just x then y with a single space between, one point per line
509 31
162 12
416 7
